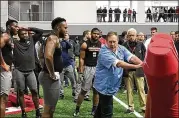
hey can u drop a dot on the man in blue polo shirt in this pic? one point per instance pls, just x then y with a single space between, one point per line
68 61
109 70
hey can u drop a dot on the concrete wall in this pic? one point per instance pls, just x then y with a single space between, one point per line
76 11
4 13
77 29
145 28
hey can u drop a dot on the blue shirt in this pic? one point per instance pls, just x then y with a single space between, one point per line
67 59
107 76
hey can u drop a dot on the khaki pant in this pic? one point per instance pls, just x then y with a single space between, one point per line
129 81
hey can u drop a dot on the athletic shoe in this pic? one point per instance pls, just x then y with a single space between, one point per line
24 115
93 113
130 110
39 116
76 113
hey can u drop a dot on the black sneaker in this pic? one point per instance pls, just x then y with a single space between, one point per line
130 110
76 113
24 115
93 113
38 114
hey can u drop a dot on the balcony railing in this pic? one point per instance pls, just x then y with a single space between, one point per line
149 17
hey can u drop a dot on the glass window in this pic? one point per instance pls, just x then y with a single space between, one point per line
13 9
24 10
47 10
30 10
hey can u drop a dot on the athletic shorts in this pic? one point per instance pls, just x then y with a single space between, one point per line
51 89
25 78
5 81
89 74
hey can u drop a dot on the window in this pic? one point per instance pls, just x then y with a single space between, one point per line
31 10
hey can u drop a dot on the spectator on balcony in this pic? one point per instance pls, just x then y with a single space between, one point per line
165 13
134 15
170 14
174 14
124 15
99 14
155 12
104 15
161 14
110 15
129 14
177 14
149 15
117 14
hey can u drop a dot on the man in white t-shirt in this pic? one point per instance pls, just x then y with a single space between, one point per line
153 32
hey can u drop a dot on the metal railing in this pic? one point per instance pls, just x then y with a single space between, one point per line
116 17
165 17
149 17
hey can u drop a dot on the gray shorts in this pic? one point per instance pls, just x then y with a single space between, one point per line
27 78
89 74
5 81
51 89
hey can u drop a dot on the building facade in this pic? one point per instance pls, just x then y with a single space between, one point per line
80 15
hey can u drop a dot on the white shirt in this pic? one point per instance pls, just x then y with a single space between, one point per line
147 42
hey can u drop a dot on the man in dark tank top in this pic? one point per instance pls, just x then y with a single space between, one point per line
88 61
5 72
52 66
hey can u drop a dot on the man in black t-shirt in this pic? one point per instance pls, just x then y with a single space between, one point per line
24 62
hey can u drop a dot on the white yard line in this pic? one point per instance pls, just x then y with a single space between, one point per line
125 105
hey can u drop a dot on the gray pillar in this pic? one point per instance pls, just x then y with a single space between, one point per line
141 11
4 13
